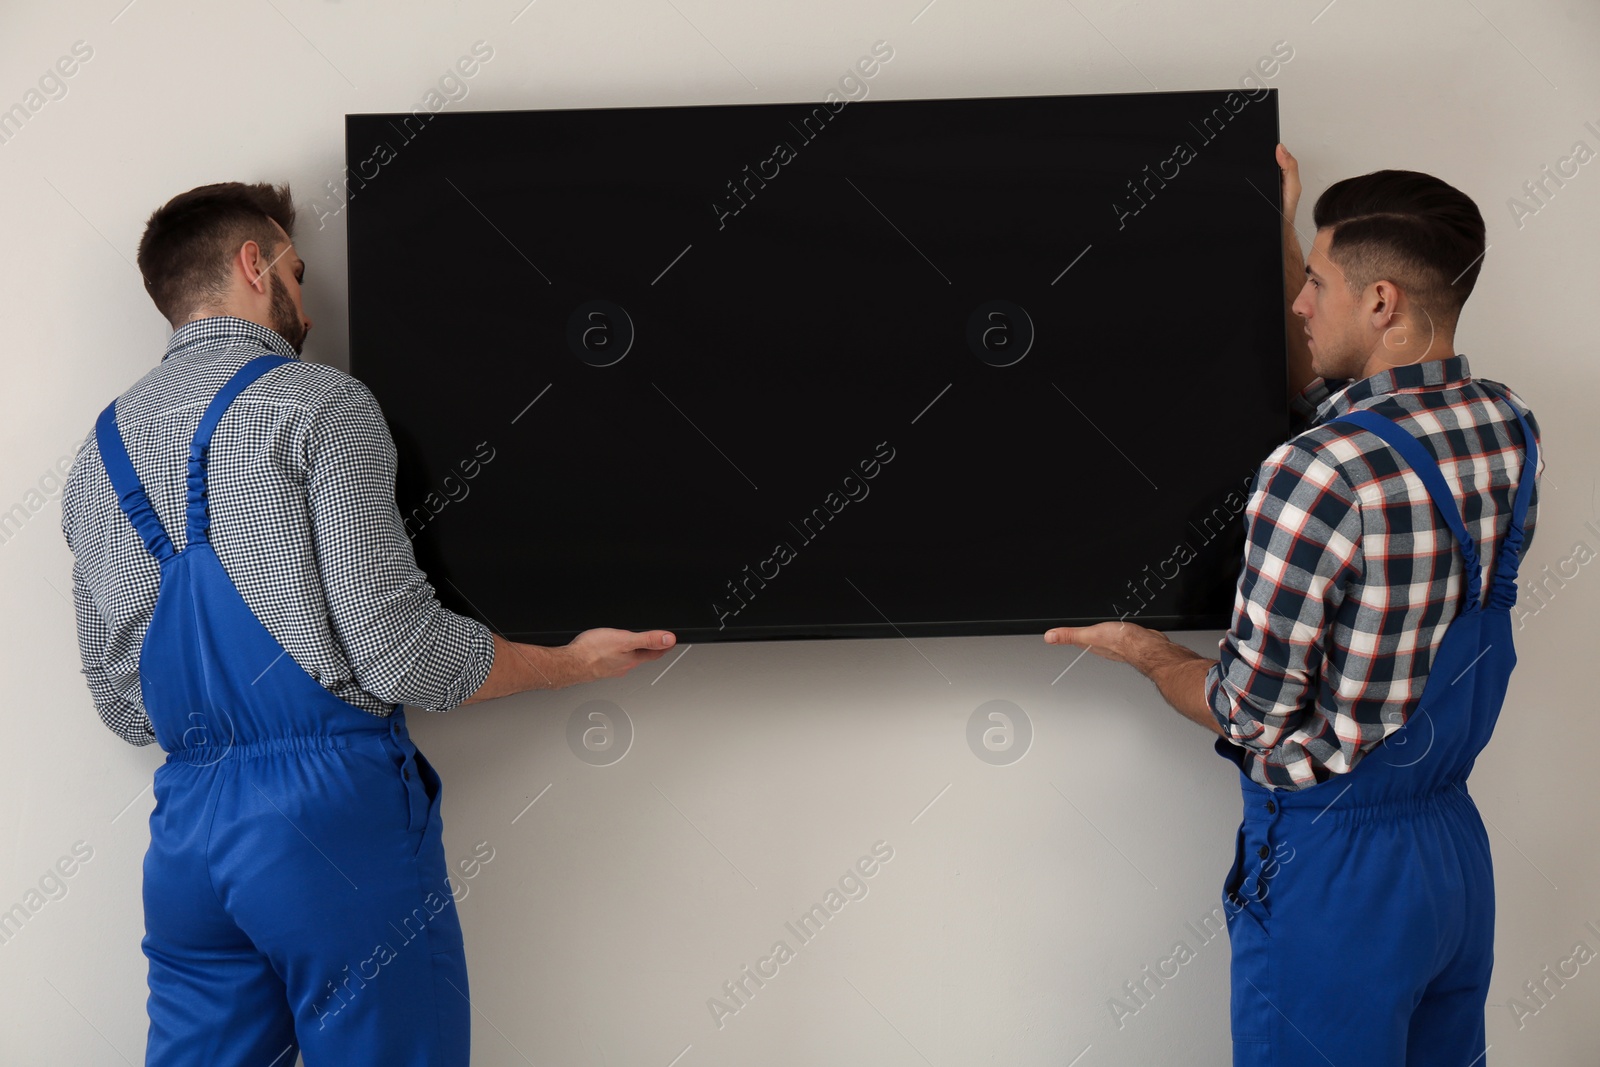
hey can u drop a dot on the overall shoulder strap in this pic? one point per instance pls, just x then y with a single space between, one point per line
198 512
1503 580
1426 468
130 491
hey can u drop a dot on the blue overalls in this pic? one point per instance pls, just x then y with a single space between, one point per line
1361 910
295 887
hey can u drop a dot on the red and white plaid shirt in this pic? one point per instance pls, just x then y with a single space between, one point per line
1350 576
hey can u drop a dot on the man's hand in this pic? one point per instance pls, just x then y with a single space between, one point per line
1289 172
1300 373
606 653
1108 640
1177 672
592 655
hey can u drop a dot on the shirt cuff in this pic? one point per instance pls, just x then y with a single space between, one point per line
1303 408
1217 699
480 661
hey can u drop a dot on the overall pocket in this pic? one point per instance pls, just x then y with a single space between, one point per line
418 784
427 791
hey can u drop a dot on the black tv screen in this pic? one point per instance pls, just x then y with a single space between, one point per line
909 367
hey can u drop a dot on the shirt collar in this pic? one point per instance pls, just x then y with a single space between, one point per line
222 332
1431 374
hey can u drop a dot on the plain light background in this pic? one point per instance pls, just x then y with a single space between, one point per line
1020 898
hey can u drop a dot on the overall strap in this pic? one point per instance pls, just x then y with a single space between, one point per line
1503 580
1424 466
130 491
198 512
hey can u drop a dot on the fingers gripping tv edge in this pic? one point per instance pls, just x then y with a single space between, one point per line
855 368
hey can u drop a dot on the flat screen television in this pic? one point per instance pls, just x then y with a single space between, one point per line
887 368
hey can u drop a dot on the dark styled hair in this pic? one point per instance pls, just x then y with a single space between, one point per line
189 242
1412 229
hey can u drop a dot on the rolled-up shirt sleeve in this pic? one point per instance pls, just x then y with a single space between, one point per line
402 644
1302 551
1303 406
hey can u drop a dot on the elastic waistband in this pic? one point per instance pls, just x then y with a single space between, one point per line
272 746
1349 803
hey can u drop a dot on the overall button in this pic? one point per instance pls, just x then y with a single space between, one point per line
1263 851
408 778
1271 807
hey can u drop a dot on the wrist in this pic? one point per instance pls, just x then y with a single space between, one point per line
574 666
1145 650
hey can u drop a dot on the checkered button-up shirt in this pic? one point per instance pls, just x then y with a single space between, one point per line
303 518
1350 576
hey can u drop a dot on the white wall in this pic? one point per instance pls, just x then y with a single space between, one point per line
1018 903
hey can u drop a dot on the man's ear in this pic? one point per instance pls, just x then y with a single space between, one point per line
254 263
1385 301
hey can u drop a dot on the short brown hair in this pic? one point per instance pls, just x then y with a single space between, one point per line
1408 228
190 241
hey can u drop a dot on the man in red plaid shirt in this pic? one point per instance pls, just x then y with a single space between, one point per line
1350 582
